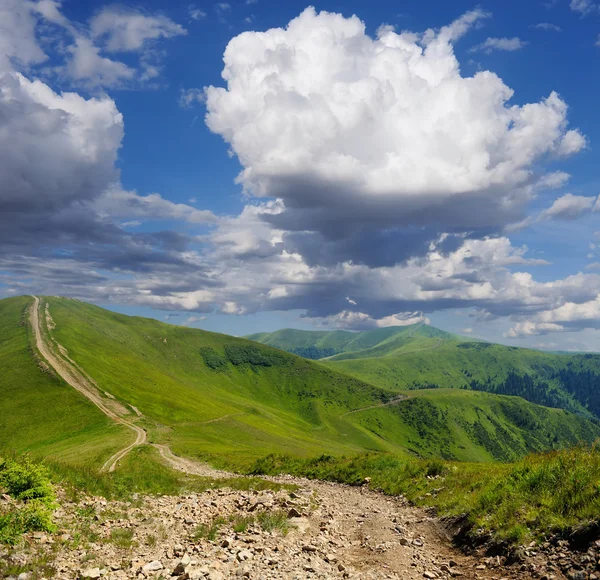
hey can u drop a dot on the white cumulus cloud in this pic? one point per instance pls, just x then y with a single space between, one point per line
356 133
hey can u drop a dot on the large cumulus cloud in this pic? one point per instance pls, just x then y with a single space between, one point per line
358 134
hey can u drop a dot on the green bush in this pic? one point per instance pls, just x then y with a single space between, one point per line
241 354
212 359
29 484
25 480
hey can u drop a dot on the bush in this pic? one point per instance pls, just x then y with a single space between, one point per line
29 484
212 359
241 354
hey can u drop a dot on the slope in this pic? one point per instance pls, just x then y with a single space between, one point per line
39 412
423 356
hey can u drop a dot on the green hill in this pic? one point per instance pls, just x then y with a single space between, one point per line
420 356
39 412
232 401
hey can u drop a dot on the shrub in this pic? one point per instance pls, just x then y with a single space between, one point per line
241 354
212 359
29 484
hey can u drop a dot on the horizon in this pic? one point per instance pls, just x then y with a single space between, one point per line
327 330
251 166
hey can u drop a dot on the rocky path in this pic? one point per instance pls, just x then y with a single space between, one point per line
318 530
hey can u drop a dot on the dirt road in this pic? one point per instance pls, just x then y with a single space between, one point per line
74 377
392 402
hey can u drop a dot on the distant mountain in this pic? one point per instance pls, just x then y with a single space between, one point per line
322 344
418 356
232 400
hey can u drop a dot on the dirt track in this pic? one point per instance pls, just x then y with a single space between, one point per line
74 377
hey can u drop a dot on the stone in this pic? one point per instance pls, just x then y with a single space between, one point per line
429 575
152 566
293 513
417 542
91 573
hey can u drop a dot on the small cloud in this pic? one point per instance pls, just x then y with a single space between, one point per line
195 13
131 224
547 26
249 19
569 207
584 7
350 301
505 44
190 97
597 43
173 315
192 200
193 320
250 2
466 330
593 266
222 8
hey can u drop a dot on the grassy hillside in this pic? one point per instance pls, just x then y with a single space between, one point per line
234 401
39 413
422 356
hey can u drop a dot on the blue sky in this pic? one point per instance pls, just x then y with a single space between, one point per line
356 208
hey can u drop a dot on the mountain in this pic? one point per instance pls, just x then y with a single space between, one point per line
419 356
232 400
323 344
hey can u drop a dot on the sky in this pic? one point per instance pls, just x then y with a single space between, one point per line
251 165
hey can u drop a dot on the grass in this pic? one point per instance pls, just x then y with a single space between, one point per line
143 473
240 523
209 531
273 520
121 538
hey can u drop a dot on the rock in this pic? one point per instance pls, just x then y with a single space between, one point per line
23 576
185 561
403 542
243 555
293 513
430 575
91 573
152 566
417 542
178 570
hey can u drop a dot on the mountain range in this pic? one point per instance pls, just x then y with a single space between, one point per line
233 400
